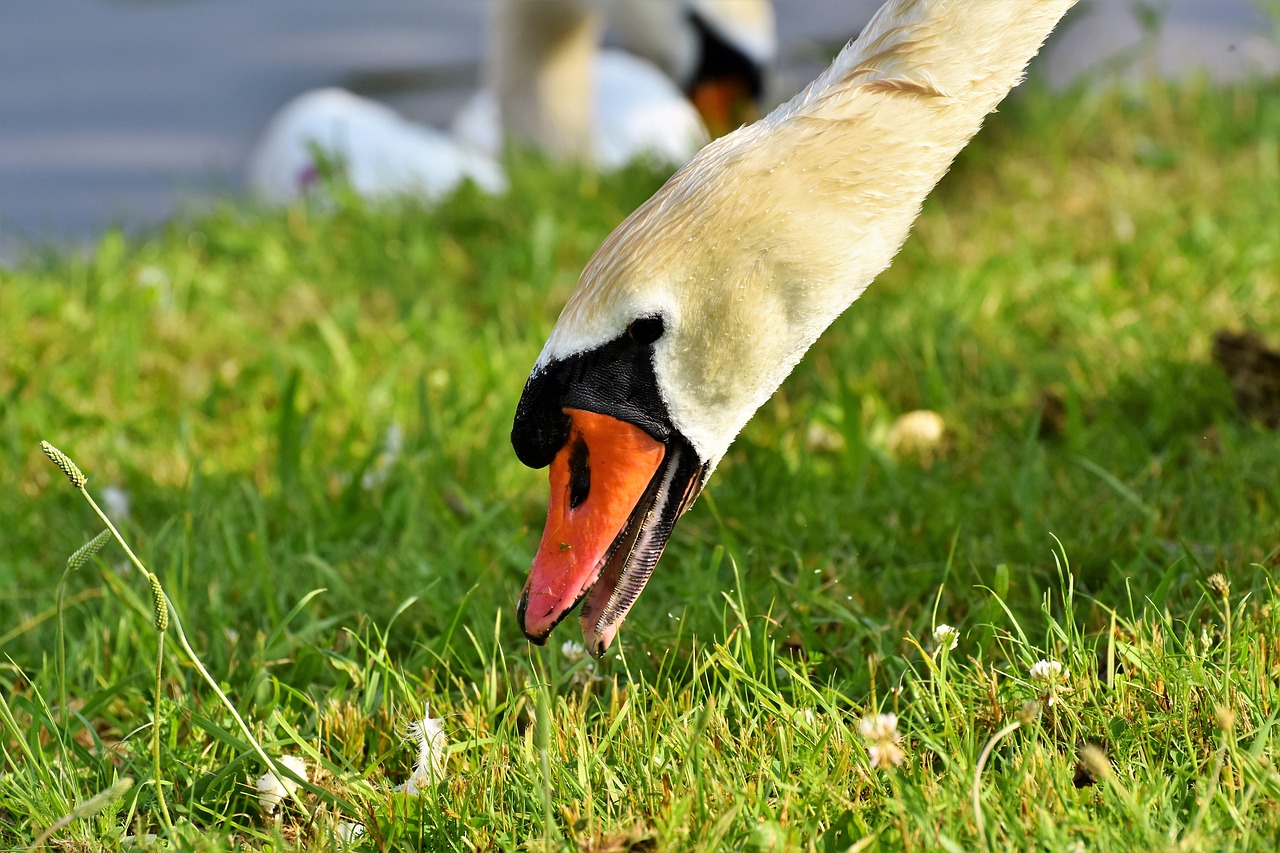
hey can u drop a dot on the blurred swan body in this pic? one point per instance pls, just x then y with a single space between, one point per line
637 112
549 86
380 153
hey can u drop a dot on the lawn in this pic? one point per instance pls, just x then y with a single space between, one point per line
298 420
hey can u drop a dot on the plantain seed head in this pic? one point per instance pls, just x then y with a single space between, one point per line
159 604
73 472
87 550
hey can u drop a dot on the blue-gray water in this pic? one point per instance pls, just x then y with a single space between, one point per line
124 111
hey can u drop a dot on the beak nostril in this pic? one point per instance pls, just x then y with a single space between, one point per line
579 473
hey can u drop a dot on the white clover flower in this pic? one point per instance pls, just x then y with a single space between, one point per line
1052 677
879 726
945 637
1047 671
881 733
274 790
573 651
884 754
576 653
428 736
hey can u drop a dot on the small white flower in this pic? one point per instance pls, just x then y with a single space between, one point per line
879 726
1052 677
882 755
115 503
428 736
1047 671
273 789
573 651
945 637
881 733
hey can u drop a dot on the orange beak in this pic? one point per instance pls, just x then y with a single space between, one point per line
598 479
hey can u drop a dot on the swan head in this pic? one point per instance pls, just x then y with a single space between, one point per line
667 346
621 473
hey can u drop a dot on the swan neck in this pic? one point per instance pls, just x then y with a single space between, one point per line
541 66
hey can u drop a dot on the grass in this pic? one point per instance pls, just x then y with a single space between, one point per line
243 376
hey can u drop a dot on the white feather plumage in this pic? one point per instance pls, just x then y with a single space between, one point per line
754 247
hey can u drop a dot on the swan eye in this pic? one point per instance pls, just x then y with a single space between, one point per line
646 330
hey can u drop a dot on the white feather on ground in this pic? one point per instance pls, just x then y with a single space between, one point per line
428 736
274 790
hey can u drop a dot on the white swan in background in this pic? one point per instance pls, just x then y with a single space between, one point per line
380 153
695 309
548 85
557 90
636 113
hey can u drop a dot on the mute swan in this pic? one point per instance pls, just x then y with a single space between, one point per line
695 309
550 87
381 153
635 112
549 84
558 92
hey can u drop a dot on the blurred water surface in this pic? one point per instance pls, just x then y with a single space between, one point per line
121 112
